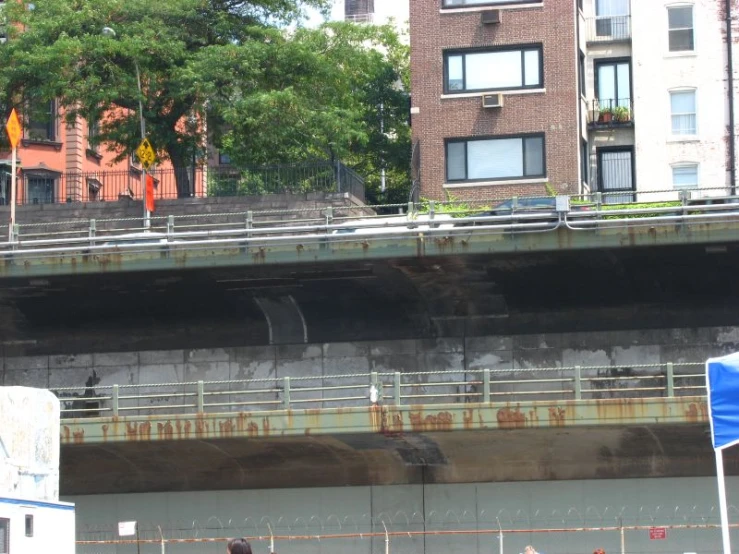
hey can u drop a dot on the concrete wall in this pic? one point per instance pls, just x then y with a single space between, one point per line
465 356
46 217
543 505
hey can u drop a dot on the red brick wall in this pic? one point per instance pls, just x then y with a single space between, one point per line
553 112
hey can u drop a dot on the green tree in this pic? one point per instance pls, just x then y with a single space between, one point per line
57 50
270 92
336 92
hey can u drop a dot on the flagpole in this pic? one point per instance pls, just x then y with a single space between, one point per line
723 509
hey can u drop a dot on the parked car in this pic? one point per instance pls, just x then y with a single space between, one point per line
524 205
396 224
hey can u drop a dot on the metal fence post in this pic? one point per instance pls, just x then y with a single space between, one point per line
201 397
286 392
93 229
486 385
329 216
578 382
170 225
670 380
115 396
396 388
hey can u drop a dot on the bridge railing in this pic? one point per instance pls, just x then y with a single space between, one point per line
393 388
341 224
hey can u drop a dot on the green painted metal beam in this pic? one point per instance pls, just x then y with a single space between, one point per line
336 248
388 420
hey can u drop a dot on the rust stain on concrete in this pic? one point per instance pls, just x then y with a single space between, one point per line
433 422
252 429
79 436
557 417
165 431
511 419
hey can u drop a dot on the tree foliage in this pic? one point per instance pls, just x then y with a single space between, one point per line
270 91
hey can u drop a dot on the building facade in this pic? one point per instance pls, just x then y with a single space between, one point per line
518 58
582 96
656 97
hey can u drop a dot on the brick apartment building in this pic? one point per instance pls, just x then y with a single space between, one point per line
464 50
595 95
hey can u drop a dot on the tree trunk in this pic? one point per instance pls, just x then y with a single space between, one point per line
182 175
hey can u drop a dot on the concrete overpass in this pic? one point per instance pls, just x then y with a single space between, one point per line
481 426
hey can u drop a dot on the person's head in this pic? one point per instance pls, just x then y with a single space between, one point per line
529 550
599 551
238 546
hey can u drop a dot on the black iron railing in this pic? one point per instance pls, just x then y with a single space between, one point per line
50 187
610 112
609 28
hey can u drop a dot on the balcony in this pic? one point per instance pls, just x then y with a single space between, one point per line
610 113
609 28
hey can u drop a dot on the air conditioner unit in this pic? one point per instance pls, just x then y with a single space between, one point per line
490 17
492 100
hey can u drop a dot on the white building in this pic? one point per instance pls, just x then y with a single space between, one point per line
379 12
660 67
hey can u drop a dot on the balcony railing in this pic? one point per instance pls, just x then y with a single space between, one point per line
609 28
52 187
361 17
610 112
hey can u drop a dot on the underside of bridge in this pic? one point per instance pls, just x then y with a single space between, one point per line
381 459
627 288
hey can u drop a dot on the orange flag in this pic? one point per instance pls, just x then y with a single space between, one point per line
150 193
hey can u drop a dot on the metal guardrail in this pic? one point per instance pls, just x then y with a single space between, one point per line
337 225
397 388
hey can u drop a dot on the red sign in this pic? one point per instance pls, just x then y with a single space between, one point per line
657 533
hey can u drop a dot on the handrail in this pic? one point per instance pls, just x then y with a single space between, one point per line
577 215
397 388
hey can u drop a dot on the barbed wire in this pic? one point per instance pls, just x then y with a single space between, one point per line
401 521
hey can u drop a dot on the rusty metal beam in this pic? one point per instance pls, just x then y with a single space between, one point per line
461 241
388 420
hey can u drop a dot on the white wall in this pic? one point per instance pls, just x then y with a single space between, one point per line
525 505
655 72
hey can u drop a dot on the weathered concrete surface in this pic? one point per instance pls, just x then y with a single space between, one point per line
467 296
29 442
551 454
461 356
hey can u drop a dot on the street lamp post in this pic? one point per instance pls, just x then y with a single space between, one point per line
109 32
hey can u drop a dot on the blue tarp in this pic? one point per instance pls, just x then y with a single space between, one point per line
722 377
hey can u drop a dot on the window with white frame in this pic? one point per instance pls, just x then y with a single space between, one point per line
495 158
682 109
685 176
500 69
680 25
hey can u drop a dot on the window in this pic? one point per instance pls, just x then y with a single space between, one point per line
4 536
29 525
5 182
495 158
680 23
685 176
41 124
40 190
682 106
616 174
613 83
612 18
465 3
92 131
581 79
493 70
224 159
